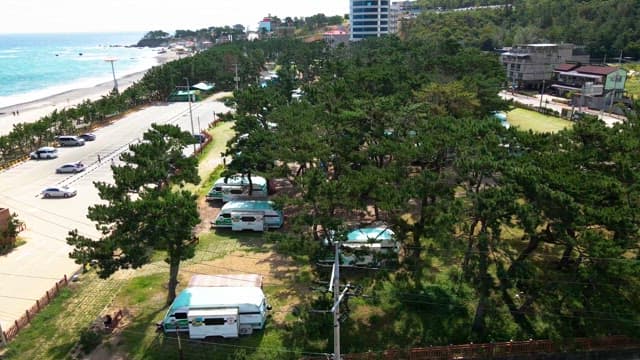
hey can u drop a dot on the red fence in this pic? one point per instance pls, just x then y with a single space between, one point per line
498 350
25 319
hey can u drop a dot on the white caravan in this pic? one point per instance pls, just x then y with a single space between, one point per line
237 187
256 215
226 311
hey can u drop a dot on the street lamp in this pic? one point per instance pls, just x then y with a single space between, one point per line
190 113
113 71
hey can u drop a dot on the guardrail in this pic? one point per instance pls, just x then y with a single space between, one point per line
509 349
27 317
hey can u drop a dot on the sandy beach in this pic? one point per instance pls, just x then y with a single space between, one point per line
34 110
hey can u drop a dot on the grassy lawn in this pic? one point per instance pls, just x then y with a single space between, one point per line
54 331
531 120
632 86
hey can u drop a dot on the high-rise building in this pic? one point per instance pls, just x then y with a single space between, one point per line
368 18
401 11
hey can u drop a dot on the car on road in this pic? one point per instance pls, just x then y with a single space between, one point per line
88 136
46 152
70 168
68 140
58 192
199 138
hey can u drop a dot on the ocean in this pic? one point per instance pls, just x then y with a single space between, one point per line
34 66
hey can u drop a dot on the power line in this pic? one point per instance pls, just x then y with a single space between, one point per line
29 276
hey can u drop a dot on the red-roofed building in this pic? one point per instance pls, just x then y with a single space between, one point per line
596 87
335 37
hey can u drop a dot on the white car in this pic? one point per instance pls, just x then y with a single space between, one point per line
46 152
70 168
58 192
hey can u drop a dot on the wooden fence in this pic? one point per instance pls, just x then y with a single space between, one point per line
499 350
26 318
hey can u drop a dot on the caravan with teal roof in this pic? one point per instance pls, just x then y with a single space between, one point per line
237 187
256 215
217 311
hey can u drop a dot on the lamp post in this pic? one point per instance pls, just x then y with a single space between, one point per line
113 71
190 113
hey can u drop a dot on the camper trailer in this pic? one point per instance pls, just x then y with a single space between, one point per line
237 187
366 246
256 215
227 311
369 244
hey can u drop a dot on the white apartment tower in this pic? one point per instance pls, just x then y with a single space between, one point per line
368 18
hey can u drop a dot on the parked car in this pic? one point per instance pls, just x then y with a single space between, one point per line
46 152
70 140
58 192
70 168
88 136
199 138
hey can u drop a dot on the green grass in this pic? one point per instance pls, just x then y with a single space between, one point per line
56 329
526 120
632 86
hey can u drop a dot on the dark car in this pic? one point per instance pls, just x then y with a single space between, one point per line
199 138
88 136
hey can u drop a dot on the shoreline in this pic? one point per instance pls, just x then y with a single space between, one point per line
34 110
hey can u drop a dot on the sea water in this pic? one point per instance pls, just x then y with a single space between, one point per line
34 66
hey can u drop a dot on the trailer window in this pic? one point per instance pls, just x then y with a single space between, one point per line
236 191
248 218
226 216
214 321
180 315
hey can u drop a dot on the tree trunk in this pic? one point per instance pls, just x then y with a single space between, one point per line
467 255
478 327
566 256
174 267
531 247
518 316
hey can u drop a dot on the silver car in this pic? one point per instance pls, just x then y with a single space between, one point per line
46 152
58 192
72 168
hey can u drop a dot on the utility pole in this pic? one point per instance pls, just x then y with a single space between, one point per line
338 296
336 303
237 78
615 84
541 94
113 71
191 114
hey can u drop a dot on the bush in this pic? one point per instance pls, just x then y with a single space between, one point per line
89 340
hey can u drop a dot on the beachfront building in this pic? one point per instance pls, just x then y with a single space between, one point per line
368 18
402 11
265 25
593 86
531 65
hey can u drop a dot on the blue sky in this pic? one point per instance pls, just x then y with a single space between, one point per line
49 16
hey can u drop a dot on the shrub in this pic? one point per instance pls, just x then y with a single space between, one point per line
89 340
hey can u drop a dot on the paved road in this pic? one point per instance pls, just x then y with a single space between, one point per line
33 268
